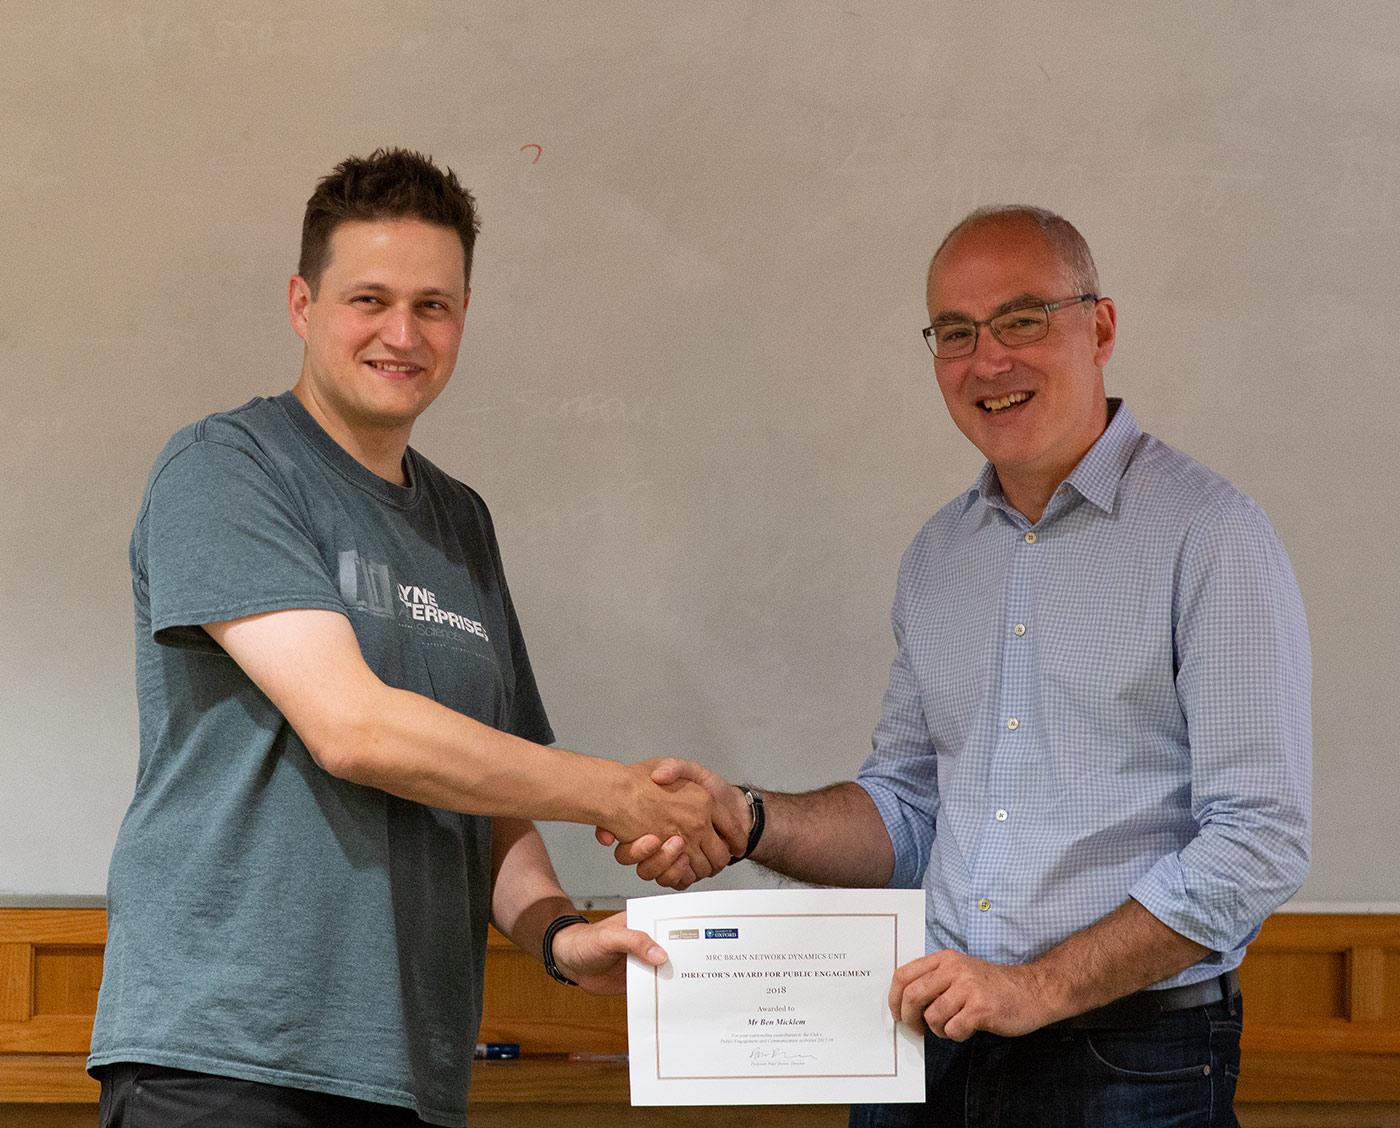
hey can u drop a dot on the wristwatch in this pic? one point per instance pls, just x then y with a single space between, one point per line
755 801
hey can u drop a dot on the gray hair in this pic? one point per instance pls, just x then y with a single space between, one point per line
1064 239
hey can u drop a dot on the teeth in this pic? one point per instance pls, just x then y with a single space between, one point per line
384 366
1005 401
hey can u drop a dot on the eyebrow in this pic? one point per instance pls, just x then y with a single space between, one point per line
380 288
1020 301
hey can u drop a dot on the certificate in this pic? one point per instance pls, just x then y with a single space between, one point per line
774 996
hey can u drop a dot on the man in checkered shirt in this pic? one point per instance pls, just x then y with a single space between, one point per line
1095 747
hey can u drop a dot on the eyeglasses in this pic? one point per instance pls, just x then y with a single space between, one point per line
1014 328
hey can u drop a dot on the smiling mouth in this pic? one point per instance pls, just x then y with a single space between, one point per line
394 368
1011 399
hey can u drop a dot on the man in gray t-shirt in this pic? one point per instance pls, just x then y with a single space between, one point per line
342 743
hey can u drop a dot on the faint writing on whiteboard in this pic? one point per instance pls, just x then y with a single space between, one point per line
591 408
183 31
591 514
538 152
534 406
1154 183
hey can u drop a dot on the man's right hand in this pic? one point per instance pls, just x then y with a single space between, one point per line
668 860
690 805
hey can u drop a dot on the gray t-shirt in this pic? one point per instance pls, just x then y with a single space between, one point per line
267 920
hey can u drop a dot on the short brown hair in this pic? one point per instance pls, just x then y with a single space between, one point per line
387 184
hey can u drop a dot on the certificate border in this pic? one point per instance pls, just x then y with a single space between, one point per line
656 1004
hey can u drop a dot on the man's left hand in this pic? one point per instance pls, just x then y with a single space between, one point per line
595 955
957 995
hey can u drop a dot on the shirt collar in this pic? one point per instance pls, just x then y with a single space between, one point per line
1096 477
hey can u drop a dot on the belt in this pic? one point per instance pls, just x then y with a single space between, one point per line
1143 1007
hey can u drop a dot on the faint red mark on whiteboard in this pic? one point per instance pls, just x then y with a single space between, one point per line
538 152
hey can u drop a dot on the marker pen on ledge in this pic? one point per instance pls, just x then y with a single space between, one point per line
497 1051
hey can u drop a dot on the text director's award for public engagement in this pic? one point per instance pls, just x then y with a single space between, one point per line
774 997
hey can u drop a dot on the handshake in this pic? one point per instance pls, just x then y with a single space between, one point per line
705 823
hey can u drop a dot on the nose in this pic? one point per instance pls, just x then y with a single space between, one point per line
990 358
399 329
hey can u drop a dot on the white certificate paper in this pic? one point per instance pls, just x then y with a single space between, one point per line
774 996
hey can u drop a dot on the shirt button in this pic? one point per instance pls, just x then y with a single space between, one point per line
1001 816
1020 629
984 904
1030 538
1013 724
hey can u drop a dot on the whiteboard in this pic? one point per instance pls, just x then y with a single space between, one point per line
692 387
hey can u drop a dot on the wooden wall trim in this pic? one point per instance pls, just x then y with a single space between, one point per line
46 1079
53 926
1322 1015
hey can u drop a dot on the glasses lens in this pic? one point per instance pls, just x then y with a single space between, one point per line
956 338
1021 326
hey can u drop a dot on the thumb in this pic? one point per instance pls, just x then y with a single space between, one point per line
670 770
642 946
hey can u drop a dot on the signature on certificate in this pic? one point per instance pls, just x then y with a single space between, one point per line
760 1056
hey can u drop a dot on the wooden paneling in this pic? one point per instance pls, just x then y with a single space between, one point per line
46 1078
1323 984
66 979
47 1034
1366 984
1297 986
1322 1027
52 961
50 967
48 1116
16 982
1304 1076
53 926
1390 991
1314 1116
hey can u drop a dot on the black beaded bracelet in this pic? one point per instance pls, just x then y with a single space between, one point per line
555 926
755 801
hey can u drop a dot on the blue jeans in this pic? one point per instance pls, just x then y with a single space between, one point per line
1177 1072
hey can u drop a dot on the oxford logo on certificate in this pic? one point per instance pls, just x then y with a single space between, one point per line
774 997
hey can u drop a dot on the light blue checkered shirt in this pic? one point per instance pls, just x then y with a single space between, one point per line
1113 702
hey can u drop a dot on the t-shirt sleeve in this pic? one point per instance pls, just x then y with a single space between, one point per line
527 715
220 539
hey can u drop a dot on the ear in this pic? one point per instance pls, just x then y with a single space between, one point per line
1105 330
298 298
466 301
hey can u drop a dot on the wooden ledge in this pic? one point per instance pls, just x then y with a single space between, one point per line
1322 1016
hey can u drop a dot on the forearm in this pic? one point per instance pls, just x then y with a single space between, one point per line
526 897
834 836
1125 951
957 994
525 894
417 749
